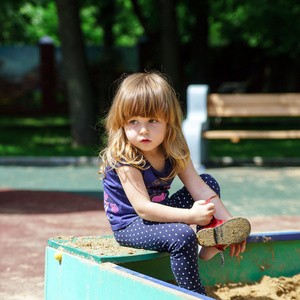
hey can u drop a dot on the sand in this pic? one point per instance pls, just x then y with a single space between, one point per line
282 288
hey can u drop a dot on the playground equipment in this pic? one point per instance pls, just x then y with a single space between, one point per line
85 268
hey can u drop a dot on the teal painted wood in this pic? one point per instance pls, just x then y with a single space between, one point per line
273 254
279 258
77 278
159 268
274 259
138 255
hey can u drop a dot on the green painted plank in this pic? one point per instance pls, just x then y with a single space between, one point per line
77 278
279 258
273 254
103 255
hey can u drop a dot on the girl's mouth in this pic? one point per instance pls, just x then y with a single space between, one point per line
145 141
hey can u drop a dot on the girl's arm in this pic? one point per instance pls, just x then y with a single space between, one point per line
199 190
135 189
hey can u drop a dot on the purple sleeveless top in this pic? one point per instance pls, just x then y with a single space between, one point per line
119 211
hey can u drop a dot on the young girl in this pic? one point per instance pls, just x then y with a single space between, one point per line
146 150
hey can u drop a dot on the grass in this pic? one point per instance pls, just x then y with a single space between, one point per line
39 136
249 148
50 136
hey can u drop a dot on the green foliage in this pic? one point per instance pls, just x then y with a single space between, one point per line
93 33
11 23
25 22
127 28
185 24
41 20
271 25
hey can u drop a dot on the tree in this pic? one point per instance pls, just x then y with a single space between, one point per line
106 18
81 100
192 41
169 40
199 42
161 47
261 36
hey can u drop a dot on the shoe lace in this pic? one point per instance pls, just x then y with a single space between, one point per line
222 258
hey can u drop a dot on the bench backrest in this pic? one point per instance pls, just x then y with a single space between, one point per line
253 105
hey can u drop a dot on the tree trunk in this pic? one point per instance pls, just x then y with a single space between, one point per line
199 43
169 41
106 18
81 102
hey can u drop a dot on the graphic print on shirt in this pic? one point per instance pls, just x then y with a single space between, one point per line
109 203
158 191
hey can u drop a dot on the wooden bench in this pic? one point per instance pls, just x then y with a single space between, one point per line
201 105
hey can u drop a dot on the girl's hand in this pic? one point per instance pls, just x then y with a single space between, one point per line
236 249
202 213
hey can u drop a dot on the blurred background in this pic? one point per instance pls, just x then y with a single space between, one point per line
59 60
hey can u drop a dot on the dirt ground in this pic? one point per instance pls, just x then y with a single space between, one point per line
36 204
30 218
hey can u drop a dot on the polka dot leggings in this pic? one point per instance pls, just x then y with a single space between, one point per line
176 238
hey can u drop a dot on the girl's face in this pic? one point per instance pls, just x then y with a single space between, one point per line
146 134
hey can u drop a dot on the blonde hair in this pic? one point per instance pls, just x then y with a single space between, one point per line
147 95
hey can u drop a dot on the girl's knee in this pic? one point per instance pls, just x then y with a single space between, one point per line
187 235
185 242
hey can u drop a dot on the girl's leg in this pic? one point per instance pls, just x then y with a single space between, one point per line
176 238
183 199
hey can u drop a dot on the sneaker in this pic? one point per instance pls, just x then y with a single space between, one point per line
221 233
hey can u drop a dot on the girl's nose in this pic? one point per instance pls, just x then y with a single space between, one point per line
144 130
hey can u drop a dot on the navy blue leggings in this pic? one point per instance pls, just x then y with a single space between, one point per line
176 238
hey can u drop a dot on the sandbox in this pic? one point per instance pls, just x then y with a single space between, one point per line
98 268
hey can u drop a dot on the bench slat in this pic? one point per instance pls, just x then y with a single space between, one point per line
253 105
251 134
201 105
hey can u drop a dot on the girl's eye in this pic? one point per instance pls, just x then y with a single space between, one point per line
132 122
152 121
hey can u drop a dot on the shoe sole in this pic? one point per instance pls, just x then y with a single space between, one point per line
232 231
